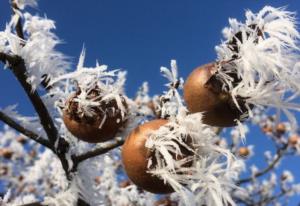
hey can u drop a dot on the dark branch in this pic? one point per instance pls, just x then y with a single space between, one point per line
101 150
17 65
280 152
6 58
9 121
19 27
33 204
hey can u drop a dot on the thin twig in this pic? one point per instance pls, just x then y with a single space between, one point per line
266 201
9 121
101 150
280 152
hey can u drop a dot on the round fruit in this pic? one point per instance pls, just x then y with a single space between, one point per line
267 129
135 158
203 93
243 152
97 180
280 128
6 153
293 140
106 119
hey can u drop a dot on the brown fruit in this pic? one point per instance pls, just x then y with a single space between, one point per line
21 178
98 180
293 140
243 151
3 170
100 127
267 129
31 189
6 153
135 158
203 93
22 140
280 128
32 153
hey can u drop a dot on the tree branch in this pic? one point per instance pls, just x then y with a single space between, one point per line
101 150
280 152
6 58
17 65
33 204
268 200
19 27
9 121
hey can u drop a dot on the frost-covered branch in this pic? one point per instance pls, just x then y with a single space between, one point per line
266 201
279 154
33 204
18 23
17 66
98 151
9 121
5 58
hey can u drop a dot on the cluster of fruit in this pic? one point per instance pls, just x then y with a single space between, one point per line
224 92
200 94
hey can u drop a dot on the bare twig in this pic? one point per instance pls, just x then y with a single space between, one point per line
9 121
101 150
280 152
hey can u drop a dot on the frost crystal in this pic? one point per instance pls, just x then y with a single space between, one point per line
189 160
107 85
258 60
171 101
21 4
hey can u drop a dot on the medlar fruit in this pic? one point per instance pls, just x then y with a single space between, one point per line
104 123
135 156
203 92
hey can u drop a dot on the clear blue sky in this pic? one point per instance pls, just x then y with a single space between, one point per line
140 36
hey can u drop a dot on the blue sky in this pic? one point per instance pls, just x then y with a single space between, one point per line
140 36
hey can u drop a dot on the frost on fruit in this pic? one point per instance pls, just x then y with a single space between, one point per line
109 83
206 172
188 155
263 53
208 169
